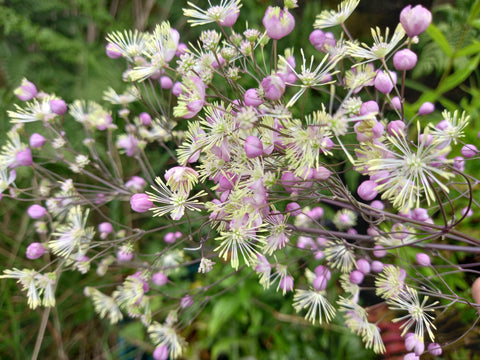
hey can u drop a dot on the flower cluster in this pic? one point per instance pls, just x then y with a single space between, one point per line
252 180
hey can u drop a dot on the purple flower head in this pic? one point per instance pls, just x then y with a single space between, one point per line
415 20
58 106
36 211
37 141
35 250
405 59
141 203
26 91
278 23
273 86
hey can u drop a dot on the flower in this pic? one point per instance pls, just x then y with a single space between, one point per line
74 235
415 20
226 13
340 256
35 110
389 283
175 203
418 313
241 237
381 46
141 203
166 335
316 303
104 305
278 23
159 50
192 98
329 18
129 43
411 172
405 59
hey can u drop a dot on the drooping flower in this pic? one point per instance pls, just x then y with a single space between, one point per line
329 18
317 304
226 13
192 98
278 23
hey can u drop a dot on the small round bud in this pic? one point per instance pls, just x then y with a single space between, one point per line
253 147
356 277
26 91
363 266
320 283
377 266
37 141
423 259
24 158
369 107
159 279
396 103
434 349
145 118
58 106
379 251
273 87
293 208
252 98
278 23
105 228
141 203
35 250
36 211
166 83
415 20
384 82
404 59
426 108
161 352
322 270
469 151
124 256
367 190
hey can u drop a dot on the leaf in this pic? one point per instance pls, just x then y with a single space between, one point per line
440 39
458 76
469 50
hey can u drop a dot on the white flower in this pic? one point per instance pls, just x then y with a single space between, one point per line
33 111
166 335
329 18
104 305
129 96
340 256
217 13
129 43
418 313
318 306
381 46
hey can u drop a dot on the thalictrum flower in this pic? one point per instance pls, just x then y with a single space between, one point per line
166 335
104 305
317 304
225 13
129 43
329 18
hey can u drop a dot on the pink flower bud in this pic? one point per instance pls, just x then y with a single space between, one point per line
136 183
186 302
286 283
356 277
420 214
278 23
396 127
426 108
317 39
467 212
379 251
26 91
293 208
251 98
377 266
169 238
141 203
166 82
323 270
124 256
377 204
321 173
434 349
411 356
253 147
35 250
423 259
469 151
419 348
112 51
58 106
37 141
24 158
405 59
369 107
36 211
459 163
415 20
363 266
177 88
396 104
160 352
273 86
316 213
159 279
105 228
384 83
145 118
320 283
367 190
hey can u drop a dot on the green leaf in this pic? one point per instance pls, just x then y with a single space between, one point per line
440 39
474 11
458 76
471 49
